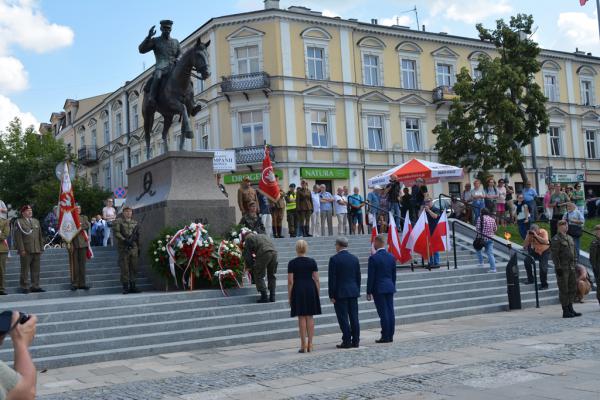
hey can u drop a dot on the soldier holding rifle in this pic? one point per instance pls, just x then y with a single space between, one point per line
126 231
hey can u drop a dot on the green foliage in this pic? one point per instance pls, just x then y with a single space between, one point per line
28 161
503 111
158 255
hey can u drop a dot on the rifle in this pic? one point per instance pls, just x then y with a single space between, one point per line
135 235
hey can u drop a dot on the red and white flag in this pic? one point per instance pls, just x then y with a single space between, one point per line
439 239
405 253
582 2
373 235
68 217
393 239
420 238
268 180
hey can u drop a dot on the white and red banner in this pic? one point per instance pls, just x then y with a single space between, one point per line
439 238
405 253
420 238
393 239
373 235
68 217
268 184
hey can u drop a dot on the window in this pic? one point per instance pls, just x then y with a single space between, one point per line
251 126
550 87
316 65
94 137
106 133
81 139
413 134
375 132
443 74
371 67
119 172
590 141
135 159
118 124
247 59
555 142
477 74
587 93
202 141
198 86
107 180
135 118
318 123
409 74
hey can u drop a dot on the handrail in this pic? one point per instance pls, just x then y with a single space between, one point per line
496 240
382 210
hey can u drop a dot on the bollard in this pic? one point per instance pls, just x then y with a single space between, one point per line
512 283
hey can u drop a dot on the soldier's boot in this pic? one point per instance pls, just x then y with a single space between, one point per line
133 289
279 231
274 231
575 313
566 312
307 231
125 288
272 296
263 297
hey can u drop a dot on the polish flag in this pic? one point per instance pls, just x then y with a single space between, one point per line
582 2
373 235
393 239
405 254
420 238
89 253
268 180
68 217
439 239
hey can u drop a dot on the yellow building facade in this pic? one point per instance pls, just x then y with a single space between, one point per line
339 100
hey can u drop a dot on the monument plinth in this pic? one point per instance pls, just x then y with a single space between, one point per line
174 189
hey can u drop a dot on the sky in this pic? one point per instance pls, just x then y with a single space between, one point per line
51 50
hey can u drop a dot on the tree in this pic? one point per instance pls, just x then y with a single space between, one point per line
27 171
501 112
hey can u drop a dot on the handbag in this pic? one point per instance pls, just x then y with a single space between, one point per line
574 231
479 241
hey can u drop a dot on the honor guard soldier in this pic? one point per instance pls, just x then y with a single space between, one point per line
29 244
80 248
246 195
261 258
564 256
304 207
126 230
290 209
4 234
251 220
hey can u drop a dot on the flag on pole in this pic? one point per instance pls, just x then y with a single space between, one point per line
393 240
268 181
405 253
373 235
89 253
68 217
439 239
420 238
582 2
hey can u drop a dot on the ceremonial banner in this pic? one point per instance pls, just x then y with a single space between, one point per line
405 253
393 239
439 239
68 218
268 182
373 235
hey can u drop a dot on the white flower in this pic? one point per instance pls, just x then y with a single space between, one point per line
163 249
210 240
180 245
168 236
190 241
160 242
234 234
236 241
156 259
193 226
155 253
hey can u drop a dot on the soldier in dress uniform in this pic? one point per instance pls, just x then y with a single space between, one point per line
564 258
80 247
30 245
246 194
277 208
595 259
251 219
261 258
304 207
4 234
126 231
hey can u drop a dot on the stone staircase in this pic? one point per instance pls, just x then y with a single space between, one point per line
100 325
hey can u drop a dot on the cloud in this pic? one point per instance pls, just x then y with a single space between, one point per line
403 20
470 11
9 110
580 29
13 77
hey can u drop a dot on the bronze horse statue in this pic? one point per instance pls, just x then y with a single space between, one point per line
176 95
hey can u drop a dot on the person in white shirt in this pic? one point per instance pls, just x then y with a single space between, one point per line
341 211
315 218
109 214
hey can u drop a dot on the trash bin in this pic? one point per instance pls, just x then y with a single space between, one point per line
512 283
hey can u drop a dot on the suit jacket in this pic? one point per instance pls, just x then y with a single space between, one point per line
28 236
344 276
381 277
79 241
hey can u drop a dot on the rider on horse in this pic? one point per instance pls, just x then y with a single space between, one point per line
166 51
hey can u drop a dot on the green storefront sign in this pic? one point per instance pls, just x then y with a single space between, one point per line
325 173
254 176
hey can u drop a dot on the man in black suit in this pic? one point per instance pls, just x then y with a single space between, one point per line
381 286
344 291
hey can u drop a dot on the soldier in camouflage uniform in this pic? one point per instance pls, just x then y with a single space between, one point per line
564 256
128 244
80 247
595 259
30 245
4 234
252 220
260 257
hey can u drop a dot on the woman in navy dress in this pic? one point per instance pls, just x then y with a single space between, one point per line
303 294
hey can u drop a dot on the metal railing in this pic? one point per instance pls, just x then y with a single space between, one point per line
87 154
508 246
242 82
252 154
443 93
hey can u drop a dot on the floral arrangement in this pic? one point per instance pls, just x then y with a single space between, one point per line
157 253
230 265
191 249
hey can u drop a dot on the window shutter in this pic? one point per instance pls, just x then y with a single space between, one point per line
326 62
402 74
557 88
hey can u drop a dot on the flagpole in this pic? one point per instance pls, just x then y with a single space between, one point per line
598 14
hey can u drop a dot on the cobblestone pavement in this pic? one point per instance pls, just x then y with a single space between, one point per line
530 354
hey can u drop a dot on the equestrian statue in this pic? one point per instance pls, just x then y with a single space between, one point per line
169 91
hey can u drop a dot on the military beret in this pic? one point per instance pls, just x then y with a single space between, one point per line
25 208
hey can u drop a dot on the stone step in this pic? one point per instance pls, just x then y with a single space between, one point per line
16 298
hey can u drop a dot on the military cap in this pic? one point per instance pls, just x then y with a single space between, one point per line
292 185
25 208
246 179
126 207
166 22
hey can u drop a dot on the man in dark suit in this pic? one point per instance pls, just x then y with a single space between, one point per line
381 286
344 291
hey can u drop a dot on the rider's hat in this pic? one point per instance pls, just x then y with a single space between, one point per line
166 22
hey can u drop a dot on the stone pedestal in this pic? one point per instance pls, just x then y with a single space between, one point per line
175 189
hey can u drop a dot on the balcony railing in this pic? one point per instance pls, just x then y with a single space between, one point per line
443 93
243 82
252 155
87 155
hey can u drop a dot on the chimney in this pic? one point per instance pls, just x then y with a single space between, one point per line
373 21
271 4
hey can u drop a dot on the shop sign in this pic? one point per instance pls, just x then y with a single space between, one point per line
254 177
224 160
325 173
568 178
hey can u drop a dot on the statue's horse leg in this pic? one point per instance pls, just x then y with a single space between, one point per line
148 114
167 121
186 129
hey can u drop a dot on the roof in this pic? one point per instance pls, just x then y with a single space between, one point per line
87 104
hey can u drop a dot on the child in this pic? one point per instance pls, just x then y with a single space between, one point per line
595 259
